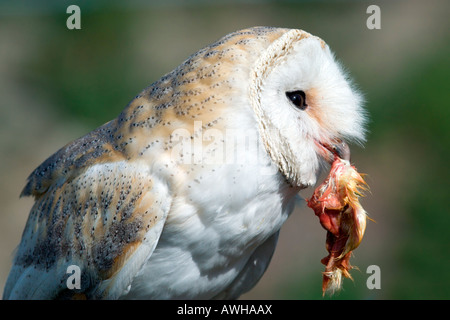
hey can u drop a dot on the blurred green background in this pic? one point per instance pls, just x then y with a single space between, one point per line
58 84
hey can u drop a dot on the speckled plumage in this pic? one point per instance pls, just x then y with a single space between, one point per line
144 218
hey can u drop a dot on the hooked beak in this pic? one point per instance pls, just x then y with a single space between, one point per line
334 149
342 150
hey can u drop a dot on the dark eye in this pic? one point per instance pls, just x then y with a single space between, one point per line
298 98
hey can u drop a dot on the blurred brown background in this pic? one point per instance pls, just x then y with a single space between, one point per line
58 84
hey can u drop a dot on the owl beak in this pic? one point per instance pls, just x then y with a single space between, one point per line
335 149
341 150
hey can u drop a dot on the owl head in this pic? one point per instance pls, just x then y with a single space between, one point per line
283 85
305 105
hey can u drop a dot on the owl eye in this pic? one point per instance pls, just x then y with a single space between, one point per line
298 98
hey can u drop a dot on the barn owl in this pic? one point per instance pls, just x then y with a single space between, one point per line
183 195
